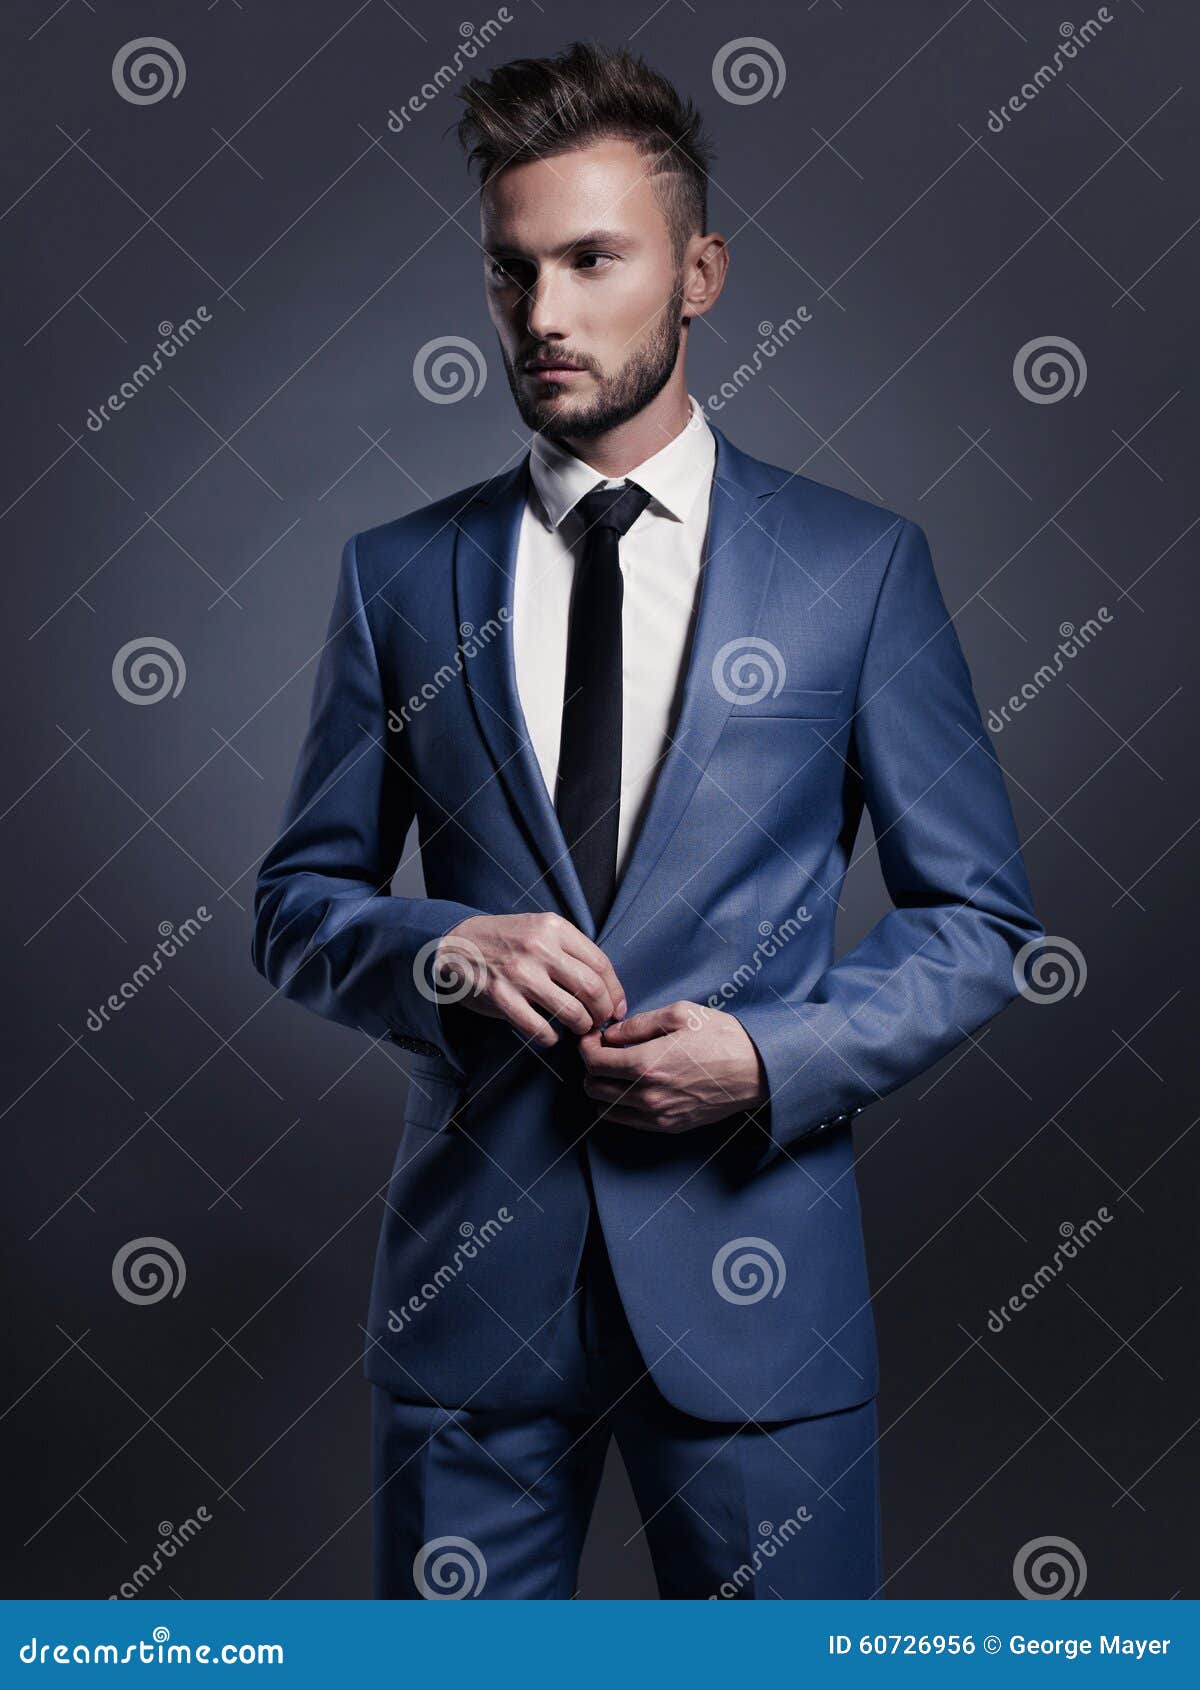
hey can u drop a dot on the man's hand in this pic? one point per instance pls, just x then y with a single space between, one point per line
670 1070
519 966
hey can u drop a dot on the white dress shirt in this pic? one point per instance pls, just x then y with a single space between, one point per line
660 556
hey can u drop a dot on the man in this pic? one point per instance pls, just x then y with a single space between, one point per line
636 690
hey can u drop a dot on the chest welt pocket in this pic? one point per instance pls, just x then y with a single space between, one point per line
434 1094
814 704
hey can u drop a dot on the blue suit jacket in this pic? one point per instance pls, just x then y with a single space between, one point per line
738 1247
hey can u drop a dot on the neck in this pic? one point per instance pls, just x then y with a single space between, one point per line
614 454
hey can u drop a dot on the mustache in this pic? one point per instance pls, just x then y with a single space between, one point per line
545 359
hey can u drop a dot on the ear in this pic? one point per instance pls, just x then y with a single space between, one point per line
705 267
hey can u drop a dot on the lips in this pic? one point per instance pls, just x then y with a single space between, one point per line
542 369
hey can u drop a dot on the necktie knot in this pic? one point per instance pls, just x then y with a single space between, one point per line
617 508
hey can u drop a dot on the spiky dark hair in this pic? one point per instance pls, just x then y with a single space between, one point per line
534 108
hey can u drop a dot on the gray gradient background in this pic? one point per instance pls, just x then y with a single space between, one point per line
211 513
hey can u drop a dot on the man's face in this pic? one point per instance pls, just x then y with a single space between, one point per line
579 272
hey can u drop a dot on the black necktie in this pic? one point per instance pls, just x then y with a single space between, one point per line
588 793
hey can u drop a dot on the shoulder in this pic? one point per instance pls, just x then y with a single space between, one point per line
830 511
843 543
423 537
828 515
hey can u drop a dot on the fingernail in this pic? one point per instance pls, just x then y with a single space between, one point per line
621 1008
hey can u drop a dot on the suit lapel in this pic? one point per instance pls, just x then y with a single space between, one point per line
738 555
485 552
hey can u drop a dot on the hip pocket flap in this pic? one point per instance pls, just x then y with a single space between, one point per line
432 1099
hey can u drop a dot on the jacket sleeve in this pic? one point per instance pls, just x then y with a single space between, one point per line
328 933
940 963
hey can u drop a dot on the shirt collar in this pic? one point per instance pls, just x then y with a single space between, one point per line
672 476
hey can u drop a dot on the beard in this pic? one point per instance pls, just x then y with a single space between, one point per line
618 397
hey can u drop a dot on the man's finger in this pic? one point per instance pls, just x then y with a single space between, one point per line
647 1024
614 1091
525 1019
578 945
565 1006
622 1116
585 985
610 1063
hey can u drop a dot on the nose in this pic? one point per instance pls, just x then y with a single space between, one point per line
544 311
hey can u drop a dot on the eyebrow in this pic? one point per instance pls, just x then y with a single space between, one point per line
593 237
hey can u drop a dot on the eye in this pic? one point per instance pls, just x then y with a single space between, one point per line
510 272
605 259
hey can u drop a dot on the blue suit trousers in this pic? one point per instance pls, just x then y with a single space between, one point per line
491 1504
